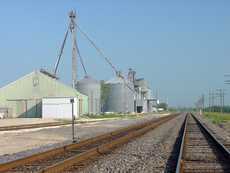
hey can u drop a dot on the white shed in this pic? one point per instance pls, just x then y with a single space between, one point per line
59 108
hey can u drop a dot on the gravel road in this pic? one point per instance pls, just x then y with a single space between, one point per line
150 153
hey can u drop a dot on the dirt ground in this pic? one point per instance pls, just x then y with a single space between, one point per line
41 139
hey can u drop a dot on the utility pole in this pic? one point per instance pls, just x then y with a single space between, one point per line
72 16
212 101
209 101
218 95
225 82
221 95
223 101
203 101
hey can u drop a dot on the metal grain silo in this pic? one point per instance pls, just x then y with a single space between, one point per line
120 97
130 96
91 88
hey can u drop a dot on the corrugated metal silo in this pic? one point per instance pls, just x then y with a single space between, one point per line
91 88
120 97
130 95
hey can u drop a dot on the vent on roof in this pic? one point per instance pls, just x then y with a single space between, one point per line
48 73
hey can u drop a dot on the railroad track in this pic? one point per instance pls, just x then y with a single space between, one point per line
217 134
40 125
77 154
200 150
32 126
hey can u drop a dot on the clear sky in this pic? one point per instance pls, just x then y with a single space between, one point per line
181 47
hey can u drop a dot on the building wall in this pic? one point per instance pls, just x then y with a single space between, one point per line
143 96
26 94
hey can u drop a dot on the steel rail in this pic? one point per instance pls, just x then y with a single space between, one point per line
102 149
31 126
220 146
123 135
209 133
180 161
40 125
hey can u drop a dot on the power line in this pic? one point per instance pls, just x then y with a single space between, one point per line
217 94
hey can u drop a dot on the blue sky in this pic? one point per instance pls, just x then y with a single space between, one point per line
180 47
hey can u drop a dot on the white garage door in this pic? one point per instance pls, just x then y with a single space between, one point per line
58 108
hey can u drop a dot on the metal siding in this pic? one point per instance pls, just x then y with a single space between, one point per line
36 86
121 98
20 108
91 88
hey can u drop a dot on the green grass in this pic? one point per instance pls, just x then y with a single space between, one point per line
217 118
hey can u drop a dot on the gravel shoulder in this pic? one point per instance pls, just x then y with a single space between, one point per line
225 126
149 153
21 143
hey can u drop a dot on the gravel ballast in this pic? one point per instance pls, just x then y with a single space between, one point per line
22 143
222 135
149 153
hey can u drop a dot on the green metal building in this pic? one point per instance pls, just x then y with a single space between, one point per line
23 97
